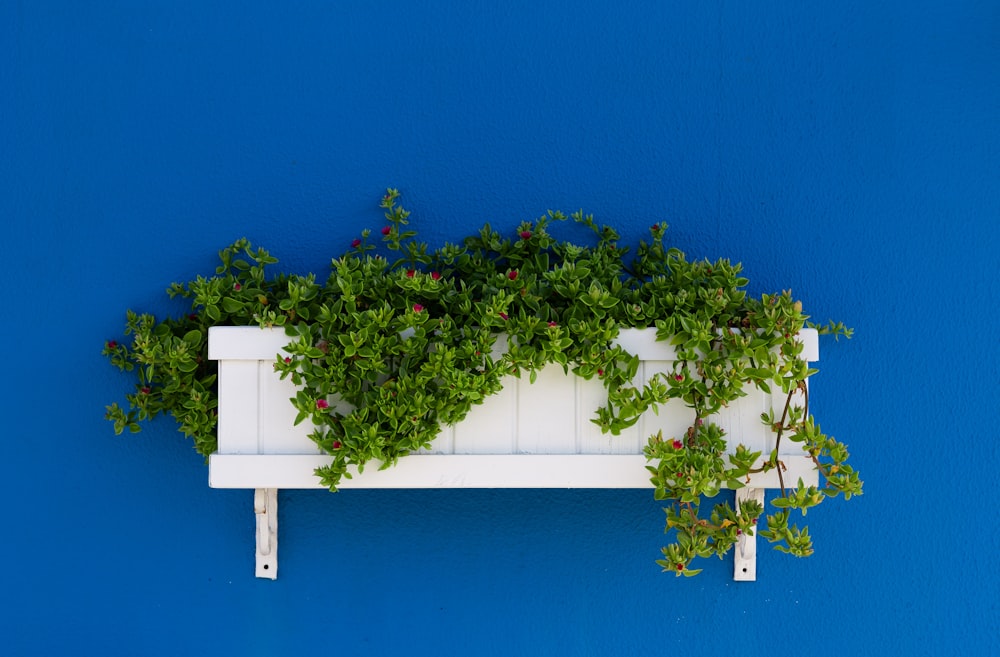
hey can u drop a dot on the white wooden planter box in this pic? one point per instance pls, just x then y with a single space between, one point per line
528 436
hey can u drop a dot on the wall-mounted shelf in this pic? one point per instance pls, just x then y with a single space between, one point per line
528 436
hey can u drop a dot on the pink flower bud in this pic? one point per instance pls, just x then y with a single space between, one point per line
417 308
322 403
525 234
237 287
355 243
336 444
435 276
512 275
386 230
410 273
678 444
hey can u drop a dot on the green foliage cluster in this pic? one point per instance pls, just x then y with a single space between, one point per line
401 339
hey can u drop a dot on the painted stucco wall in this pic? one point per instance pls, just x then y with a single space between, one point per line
849 152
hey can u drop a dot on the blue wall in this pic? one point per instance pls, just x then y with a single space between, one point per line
849 153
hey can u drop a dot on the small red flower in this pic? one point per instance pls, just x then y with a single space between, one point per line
386 230
410 273
600 372
678 444
678 377
656 226
112 344
552 325
145 390
237 287
287 360
680 567
435 276
503 316
417 308
525 234
512 274
355 243
322 403
192 316
336 444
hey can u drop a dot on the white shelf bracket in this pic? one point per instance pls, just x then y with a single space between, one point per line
745 569
265 508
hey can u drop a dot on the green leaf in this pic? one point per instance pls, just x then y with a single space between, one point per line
193 337
187 366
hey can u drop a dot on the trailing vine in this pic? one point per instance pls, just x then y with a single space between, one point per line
401 340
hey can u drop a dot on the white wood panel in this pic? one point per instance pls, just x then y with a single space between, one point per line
253 343
673 418
239 407
553 416
467 471
590 395
489 427
246 343
546 414
278 431
443 444
742 423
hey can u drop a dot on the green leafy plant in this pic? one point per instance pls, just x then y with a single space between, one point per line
402 339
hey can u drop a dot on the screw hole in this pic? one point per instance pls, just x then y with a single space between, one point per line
744 570
266 566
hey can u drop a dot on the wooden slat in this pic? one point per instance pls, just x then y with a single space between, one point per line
468 471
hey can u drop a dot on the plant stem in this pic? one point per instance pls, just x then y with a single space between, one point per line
777 441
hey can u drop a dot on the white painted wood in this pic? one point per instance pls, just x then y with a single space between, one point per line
745 562
546 416
276 419
527 436
672 418
239 407
590 439
489 427
742 422
467 471
553 416
265 507
246 343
